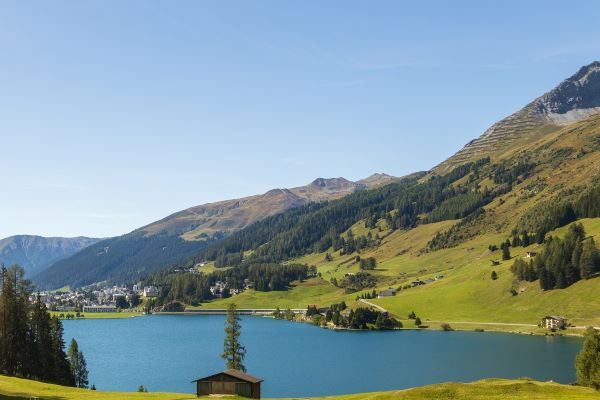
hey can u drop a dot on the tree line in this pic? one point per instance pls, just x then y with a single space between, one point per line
360 318
319 226
356 282
562 262
561 211
195 288
31 341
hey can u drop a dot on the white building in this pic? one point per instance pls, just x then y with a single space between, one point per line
103 308
150 291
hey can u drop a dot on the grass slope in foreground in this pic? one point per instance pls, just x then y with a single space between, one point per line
15 388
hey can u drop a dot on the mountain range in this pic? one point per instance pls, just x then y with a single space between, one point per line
544 154
36 253
436 237
184 233
204 221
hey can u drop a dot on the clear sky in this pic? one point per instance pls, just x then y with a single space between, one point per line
114 114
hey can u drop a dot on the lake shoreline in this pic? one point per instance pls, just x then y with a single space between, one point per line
487 327
276 350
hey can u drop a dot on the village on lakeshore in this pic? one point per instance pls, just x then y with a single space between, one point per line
118 298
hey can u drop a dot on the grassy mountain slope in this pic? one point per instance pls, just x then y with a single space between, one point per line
518 389
467 293
36 253
554 163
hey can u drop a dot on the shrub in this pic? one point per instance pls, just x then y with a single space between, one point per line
446 327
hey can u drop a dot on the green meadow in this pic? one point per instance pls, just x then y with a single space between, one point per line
499 389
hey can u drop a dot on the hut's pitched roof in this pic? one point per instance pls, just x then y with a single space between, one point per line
236 374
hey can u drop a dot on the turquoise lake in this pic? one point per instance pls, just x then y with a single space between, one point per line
165 353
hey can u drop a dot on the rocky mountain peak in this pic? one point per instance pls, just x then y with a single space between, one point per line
580 91
332 182
574 99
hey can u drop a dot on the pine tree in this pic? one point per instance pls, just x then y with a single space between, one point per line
576 256
78 365
588 261
506 252
380 321
15 330
494 275
418 321
588 360
233 351
525 241
3 320
41 337
31 344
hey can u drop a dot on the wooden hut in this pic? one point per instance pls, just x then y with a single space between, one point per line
232 382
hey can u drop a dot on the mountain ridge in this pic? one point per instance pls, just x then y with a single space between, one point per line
182 234
574 99
36 253
202 221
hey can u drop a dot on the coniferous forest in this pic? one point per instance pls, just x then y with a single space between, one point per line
31 341
562 262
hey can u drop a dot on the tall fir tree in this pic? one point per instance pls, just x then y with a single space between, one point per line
78 365
506 251
587 363
31 344
233 351
588 262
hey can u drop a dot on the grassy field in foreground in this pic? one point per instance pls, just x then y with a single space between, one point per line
14 388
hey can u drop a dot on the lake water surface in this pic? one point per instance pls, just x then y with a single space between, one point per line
167 352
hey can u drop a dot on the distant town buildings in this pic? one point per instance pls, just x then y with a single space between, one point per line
90 299
97 309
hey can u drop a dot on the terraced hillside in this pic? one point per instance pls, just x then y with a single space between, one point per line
575 99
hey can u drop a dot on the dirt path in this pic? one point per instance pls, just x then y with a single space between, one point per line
483 323
373 305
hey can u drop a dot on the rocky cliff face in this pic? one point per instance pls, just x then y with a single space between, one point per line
574 99
36 253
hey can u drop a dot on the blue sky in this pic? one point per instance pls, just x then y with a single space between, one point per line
116 113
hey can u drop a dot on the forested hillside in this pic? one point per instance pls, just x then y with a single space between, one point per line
469 225
121 259
181 235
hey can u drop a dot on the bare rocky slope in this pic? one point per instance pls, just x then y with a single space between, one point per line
574 99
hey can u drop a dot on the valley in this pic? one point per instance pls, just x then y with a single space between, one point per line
338 200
